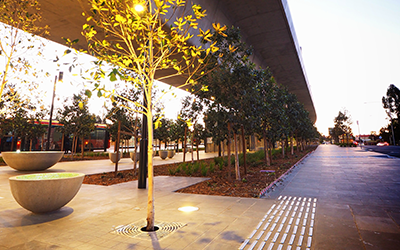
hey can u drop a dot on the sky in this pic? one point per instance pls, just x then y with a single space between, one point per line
351 52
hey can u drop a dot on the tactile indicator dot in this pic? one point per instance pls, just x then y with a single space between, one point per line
275 237
261 245
309 242
310 231
303 230
243 244
267 236
259 235
252 234
295 229
253 245
292 239
300 241
266 225
283 238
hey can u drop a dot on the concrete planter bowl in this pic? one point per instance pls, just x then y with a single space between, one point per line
113 156
163 154
32 160
171 153
46 192
132 154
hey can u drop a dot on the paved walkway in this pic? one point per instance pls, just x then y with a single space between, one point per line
339 198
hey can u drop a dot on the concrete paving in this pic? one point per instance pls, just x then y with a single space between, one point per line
358 195
339 198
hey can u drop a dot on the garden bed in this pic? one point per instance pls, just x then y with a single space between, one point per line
217 170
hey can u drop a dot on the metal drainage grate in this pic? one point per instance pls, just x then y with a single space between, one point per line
134 229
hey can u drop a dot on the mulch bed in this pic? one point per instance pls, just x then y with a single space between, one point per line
250 184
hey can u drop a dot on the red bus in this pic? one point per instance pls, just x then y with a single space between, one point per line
99 139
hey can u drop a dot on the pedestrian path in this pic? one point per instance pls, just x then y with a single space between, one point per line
358 196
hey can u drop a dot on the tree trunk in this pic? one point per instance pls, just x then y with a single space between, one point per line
62 143
244 151
237 169
150 174
30 145
197 149
291 145
219 149
229 153
184 143
135 143
82 146
192 145
283 148
116 149
266 152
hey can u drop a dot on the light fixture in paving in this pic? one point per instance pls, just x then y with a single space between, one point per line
134 230
188 209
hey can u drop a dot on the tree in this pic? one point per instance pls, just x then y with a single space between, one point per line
231 84
77 120
19 17
392 105
145 43
342 125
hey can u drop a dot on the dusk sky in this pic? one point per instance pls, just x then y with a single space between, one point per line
351 52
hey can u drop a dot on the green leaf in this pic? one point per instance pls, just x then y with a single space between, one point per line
88 93
99 94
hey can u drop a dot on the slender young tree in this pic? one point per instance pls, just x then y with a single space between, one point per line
145 42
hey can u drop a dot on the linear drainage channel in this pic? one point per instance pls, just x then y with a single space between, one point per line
134 230
288 225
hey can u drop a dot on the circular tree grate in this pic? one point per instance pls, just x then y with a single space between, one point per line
134 229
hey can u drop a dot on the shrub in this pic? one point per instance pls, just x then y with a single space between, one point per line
196 167
171 171
189 170
203 170
221 166
211 168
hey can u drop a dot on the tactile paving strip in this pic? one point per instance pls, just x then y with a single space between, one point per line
134 229
288 225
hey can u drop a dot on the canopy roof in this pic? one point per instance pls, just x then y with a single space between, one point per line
264 24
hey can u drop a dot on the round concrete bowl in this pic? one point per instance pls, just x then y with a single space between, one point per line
132 154
171 153
163 154
46 192
113 156
32 160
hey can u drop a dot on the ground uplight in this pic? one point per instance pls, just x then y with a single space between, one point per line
188 209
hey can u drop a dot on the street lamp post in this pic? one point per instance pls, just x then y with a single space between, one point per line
60 77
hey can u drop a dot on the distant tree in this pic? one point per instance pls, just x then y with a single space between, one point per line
77 120
392 105
342 125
